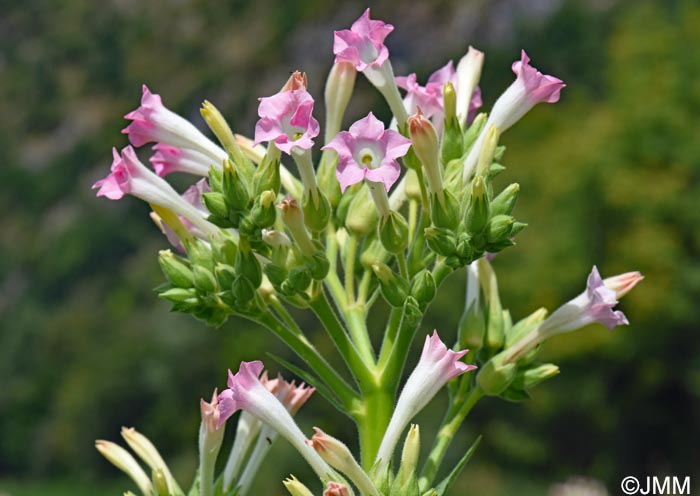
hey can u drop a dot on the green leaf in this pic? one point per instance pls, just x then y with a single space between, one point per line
448 481
312 380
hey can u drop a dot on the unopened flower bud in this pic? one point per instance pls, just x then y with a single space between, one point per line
337 455
243 290
425 145
445 213
175 269
276 239
216 204
203 279
393 232
499 228
534 374
296 488
423 287
267 176
316 213
339 87
478 211
225 275
465 250
623 283
318 265
123 460
409 460
442 241
293 218
361 220
299 279
297 81
504 203
472 327
394 288
336 489
452 146
488 150
496 376
182 299
468 74
145 450
263 212
221 129
248 266
160 483
234 187
276 274
473 132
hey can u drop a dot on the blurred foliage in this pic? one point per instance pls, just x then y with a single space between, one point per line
609 176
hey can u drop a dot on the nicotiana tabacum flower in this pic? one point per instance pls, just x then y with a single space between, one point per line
385 214
368 151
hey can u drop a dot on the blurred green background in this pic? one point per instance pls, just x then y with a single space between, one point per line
610 175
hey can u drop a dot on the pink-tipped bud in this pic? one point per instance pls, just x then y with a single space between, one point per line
623 283
426 146
297 81
210 412
336 489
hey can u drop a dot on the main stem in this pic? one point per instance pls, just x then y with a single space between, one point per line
372 421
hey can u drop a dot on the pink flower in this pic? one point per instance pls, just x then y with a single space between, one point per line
368 151
168 159
210 413
129 176
428 97
595 304
286 120
436 366
152 121
530 88
246 392
363 44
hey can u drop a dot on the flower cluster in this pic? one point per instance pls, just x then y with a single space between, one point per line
387 212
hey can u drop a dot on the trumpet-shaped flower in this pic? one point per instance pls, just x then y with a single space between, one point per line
428 97
247 393
168 159
152 121
368 151
595 305
286 120
363 44
530 88
436 366
129 176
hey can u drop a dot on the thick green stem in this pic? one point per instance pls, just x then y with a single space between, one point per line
459 409
345 346
372 421
306 351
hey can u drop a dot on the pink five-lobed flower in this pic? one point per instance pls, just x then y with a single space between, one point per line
246 392
363 44
368 151
152 121
529 88
437 365
168 159
286 120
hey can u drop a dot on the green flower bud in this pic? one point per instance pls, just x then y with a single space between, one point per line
267 176
293 218
203 279
394 288
423 287
263 212
499 228
299 278
495 170
465 250
495 377
488 149
425 146
234 187
495 328
180 295
452 139
525 326
409 461
474 131
412 313
504 203
221 129
216 204
200 254
175 269
248 266
225 274
318 265
446 213
296 488
517 227
160 483
393 232
243 290
471 328
478 211
361 219
373 253
532 375
316 213
442 241
276 274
